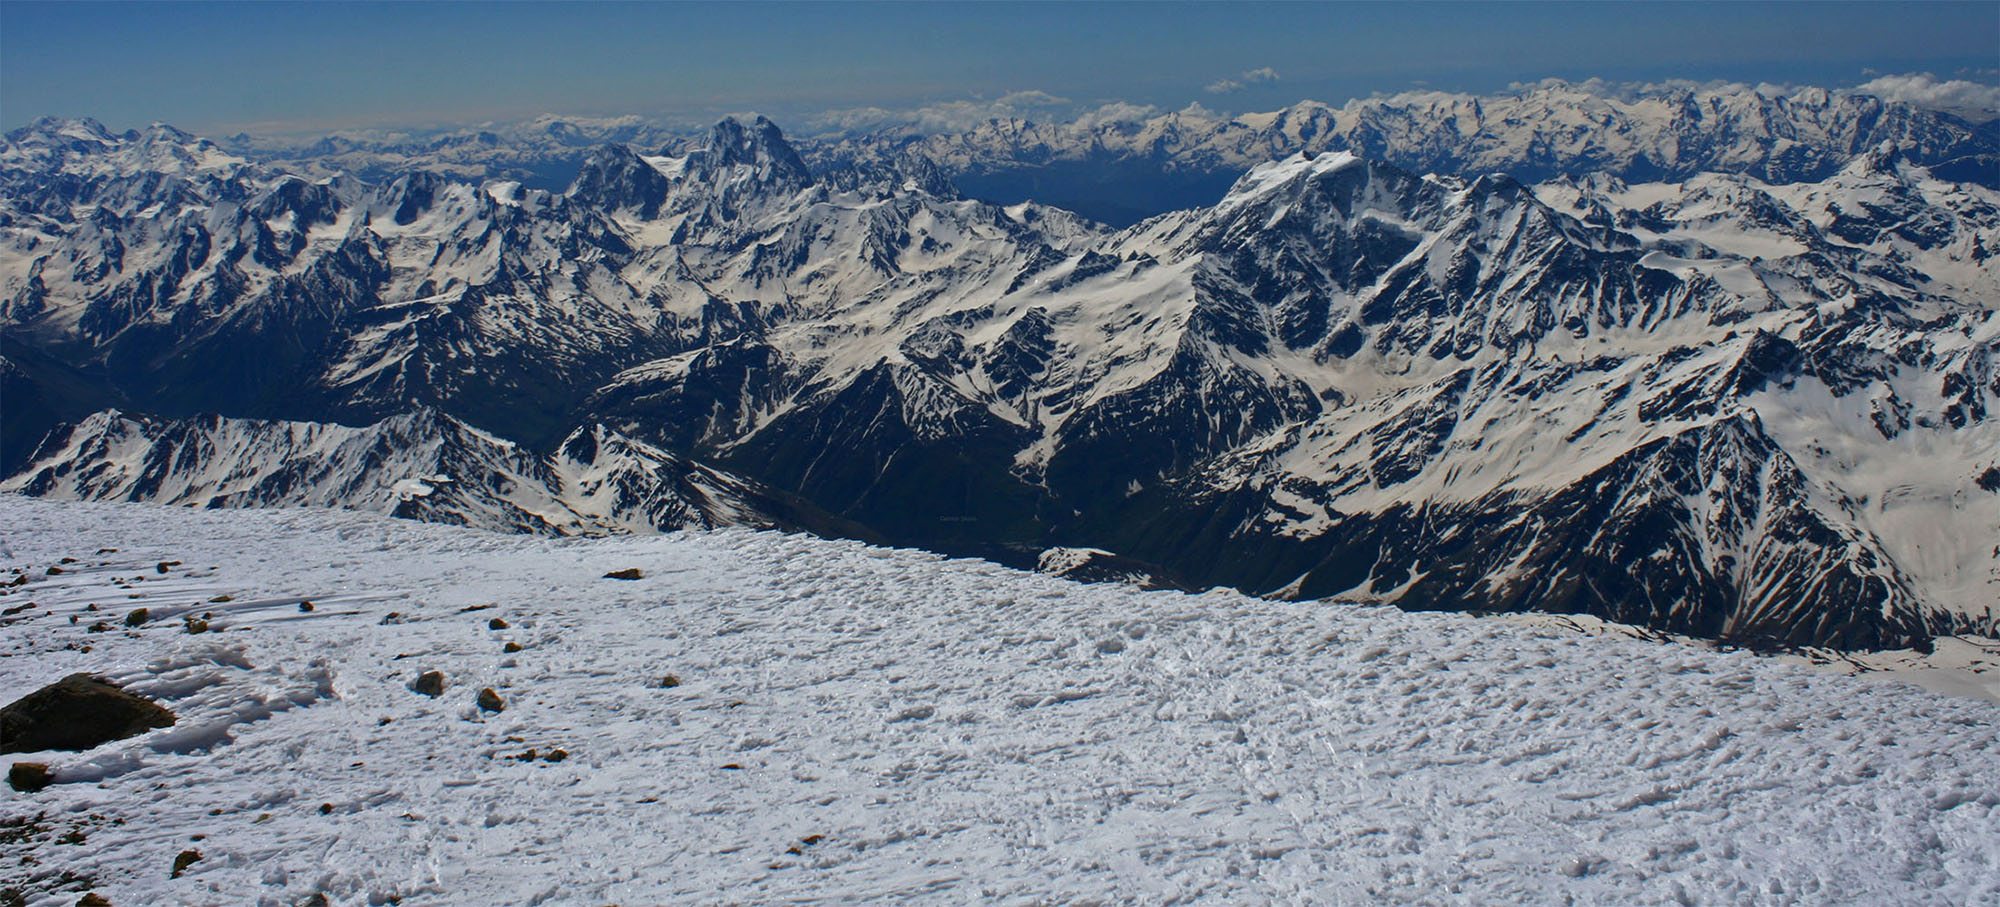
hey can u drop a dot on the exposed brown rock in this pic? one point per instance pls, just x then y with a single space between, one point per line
429 683
76 713
28 777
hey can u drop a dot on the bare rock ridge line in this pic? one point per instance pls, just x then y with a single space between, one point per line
1119 168
1686 404
424 466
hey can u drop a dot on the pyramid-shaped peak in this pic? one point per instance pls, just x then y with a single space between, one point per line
165 132
760 145
615 177
1884 159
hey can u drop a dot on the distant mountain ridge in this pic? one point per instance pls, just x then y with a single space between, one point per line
423 465
1535 134
1123 169
1689 405
1551 130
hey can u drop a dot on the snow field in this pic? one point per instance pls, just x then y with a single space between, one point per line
855 724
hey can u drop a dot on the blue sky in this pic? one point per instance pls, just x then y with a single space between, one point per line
220 67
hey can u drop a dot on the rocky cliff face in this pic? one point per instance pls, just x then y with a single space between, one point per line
423 465
1110 169
1690 404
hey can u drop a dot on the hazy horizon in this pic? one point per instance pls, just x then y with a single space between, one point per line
274 69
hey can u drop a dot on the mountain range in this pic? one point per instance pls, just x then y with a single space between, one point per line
1718 365
1122 169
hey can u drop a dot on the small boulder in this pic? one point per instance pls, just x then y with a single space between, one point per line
429 683
76 713
28 777
511 648
93 899
627 573
137 617
670 681
490 701
496 624
181 863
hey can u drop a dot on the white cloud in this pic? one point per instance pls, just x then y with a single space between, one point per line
1259 76
1974 101
948 116
848 119
1633 90
1030 98
1117 112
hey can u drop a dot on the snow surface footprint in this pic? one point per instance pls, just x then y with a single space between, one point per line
850 724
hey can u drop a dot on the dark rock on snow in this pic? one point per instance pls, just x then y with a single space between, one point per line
28 777
76 713
429 683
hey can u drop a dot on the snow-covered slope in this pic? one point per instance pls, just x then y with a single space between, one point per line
849 724
1683 405
1121 169
424 466
279 296
1542 131
1348 379
73 158
542 152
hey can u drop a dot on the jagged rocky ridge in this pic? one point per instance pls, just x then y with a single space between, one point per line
542 152
1689 405
1120 169
423 465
